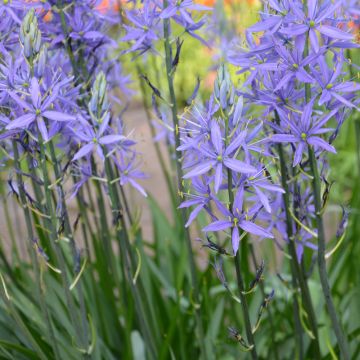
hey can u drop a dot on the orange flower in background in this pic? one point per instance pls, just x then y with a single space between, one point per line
212 3
107 5
48 16
210 79
354 26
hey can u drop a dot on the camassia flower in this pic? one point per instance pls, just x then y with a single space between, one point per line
238 218
144 26
313 22
332 83
273 21
304 131
292 64
95 139
145 22
223 141
191 28
298 73
182 8
38 110
129 172
200 198
217 155
83 28
260 185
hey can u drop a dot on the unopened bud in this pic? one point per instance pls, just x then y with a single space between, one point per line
223 87
30 35
99 101
41 62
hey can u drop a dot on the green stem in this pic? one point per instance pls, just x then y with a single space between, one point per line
107 244
355 114
86 226
9 224
295 267
125 254
148 308
271 320
56 247
106 253
342 341
240 281
194 280
67 40
156 144
68 232
34 260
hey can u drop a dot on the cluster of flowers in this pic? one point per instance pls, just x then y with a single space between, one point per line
296 72
145 26
53 85
224 150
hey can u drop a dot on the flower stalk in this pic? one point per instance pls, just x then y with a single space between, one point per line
175 119
54 242
341 338
295 267
297 273
35 263
126 261
316 184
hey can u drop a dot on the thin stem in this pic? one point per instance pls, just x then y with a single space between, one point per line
194 280
107 244
295 267
34 260
271 320
156 144
240 282
124 252
355 114
68 231
67 40
56 247
342 341
341 338
85 224
237 258
106 253
123 201
14 247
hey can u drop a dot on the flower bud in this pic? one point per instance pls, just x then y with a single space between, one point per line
99 101
30 35
223 87
41 62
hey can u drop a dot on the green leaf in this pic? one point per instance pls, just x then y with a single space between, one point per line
214 327
19 348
